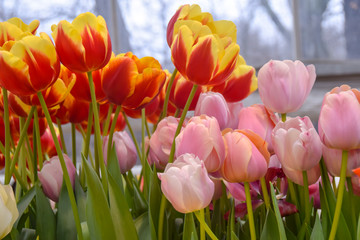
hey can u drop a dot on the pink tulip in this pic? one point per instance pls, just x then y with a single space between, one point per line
247 156
339 120
161 141
234 108
284 85
186 184
296 176
125 150
51 176
202 137
332 158
260 120
297 144
213 105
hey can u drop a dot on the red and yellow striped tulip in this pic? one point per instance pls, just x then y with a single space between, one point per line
15 29
32 27
83 45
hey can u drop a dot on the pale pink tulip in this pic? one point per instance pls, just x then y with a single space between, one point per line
339 120
186 184
247 156
202 137
234 108
332 158
161 141
296 176
125 150
51 176
213 104
284 85
260 120
297 144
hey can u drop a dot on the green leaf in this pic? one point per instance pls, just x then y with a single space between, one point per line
24 203
27 234
98 215
45 218
120 212
358 229
66 228
155 198
271 229
317 233
80 196
189 230
233 236
279 220
114 168
143 227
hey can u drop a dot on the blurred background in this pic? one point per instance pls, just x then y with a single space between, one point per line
325 33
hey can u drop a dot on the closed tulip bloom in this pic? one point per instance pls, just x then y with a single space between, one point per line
284 85
260 120
30 66
32 27
161 141
247 157
186 184
124 148
339 120
83 45
202 137
234 108
297 144
14 29
51 176
332 158
213 105
8 210
296 176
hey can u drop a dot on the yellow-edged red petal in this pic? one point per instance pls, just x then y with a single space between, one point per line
181 48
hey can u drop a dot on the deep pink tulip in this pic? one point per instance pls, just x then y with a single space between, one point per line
51 176
125 150
161 141
284 85
332 158
213 105
247 157
202 137
297 144
260 120
339 120
186 184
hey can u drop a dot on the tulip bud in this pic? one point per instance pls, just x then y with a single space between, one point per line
124 148
51 176
8 210
186 184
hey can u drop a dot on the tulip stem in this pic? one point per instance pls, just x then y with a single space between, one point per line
107 121
38 140
161 216
132 134
73 141
265 193
250 211
167 95
112 129
143 151
21 140
7 136
340 194
306 197
202 229
181 121
104 178
63 145
63 166
294 199
204 225
283 117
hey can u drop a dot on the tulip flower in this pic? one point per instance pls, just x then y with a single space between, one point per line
260 120
51 176
161 141
339 120
124 148
297 144
247 156
202 137
14 29
284 85
30 66
213 105
296 176
83 45
234 108
8 210
186 184
72 110
32 27
47 142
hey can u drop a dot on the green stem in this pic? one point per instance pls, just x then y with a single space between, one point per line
181 121
98 140
88 132
163 204
86 145
250 211
23 134
265 193
294 199
132 134
340 195
58 123
177 112
167 95
112 129
283 117
147 129
143 152
73 141
38 140
202 228
306 198
7 137
207 228
63 166
2 148
107 121
351 201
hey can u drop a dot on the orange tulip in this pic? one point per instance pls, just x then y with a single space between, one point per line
83 45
